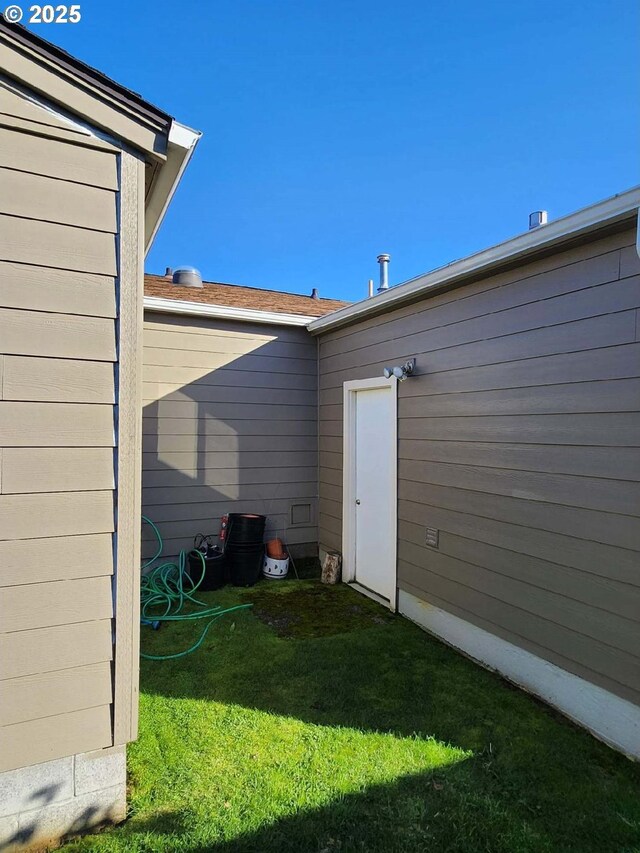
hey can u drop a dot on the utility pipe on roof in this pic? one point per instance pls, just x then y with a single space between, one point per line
383 260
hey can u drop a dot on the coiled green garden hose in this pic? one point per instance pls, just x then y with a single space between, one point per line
168 587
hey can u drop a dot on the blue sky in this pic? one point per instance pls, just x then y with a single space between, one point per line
334 131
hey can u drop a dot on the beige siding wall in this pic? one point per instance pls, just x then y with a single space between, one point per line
230 425
57 436
519 439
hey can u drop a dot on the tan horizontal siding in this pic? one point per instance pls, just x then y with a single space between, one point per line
57 380
56 159
29 241
26 561
12 103
202 444
615 362
50 693
613 297
591 333
59 245
613 496
226 477
56 514
66 336
57 291
230 425
153 391
193 409
56 469
599 429
257 361
206 426
561 272
612 395
607 528
268 503
53 200
45 605
620 463
188 342
605 627
51 649
605 594
239 458
242 331
25 424
519 441
241 377
589 555
159 496
36 741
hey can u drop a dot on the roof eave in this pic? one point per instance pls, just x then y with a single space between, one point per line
85 92
223 312
182 142
568 228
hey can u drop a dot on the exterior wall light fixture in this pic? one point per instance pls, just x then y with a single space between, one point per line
402 371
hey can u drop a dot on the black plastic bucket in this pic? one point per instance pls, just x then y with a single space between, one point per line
215 575
246 529
245 563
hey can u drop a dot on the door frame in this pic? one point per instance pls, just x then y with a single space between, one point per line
350 390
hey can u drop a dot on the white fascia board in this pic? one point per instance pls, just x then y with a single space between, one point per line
558 231
223 312
180 147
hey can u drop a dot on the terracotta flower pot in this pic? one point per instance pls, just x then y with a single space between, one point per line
275 549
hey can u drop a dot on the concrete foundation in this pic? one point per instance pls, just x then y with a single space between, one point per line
42 805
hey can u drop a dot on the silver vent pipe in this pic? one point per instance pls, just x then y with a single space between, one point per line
370 288
537 218
383 260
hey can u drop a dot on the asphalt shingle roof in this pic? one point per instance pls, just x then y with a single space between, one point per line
238 296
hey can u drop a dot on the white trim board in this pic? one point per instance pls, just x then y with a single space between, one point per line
610 718
618 208
223 312
349 478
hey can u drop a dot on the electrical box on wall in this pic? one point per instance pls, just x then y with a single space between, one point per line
431 537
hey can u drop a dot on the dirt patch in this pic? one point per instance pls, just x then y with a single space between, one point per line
311 609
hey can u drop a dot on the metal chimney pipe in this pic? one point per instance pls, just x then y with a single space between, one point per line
370 288
383 260
537 218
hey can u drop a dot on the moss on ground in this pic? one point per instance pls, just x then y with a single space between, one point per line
313 609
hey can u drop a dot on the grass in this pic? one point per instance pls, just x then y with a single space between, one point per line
319 723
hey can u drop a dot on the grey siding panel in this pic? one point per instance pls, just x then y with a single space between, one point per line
230 425
519 440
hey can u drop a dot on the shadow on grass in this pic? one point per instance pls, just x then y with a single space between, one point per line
534 782
410 814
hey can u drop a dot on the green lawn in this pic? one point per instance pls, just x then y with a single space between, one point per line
319 723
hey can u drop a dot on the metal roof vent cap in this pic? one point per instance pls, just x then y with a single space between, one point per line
187 277
537 218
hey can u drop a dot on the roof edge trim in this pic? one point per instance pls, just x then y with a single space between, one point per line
181 145
617 208
223 312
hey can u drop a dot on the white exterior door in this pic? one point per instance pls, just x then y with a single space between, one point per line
371 487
